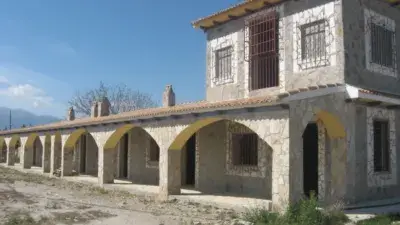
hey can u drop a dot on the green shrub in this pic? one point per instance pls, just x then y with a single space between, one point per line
305 212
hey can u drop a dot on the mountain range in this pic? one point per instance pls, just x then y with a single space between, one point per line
21 117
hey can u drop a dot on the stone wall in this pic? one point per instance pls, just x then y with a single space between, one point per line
355 33
292 73
371 185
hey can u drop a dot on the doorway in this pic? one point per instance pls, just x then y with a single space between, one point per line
123 158
191 160
310 160
82 168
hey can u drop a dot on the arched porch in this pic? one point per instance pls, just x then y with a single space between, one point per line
80 154
131 155
3 153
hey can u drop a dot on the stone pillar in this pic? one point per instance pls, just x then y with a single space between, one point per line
106 166
46 153
168 96
27 153
170 173
10 153
67 161
55 154
71 114
93 110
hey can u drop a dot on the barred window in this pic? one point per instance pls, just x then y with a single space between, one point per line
313 43
154 151
381 146
245 149
223 64
382 45
263 51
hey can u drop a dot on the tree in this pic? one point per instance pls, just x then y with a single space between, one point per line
121 97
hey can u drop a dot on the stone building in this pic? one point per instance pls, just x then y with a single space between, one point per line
301 96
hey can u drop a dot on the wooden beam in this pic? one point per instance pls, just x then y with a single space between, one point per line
393 107
232 17
374 103
247 10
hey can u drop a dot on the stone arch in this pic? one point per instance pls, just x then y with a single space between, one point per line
80 154
333 124
3 150
33 151
127 152
184 135
331 154
15 144
216 142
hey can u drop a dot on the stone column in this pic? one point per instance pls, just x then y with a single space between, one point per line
170 172
45 154
55 153
106 166
10 153
27 154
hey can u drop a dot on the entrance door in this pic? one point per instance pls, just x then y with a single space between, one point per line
83 154
191 160
310 160
123 170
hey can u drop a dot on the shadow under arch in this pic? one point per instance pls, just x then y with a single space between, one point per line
3 150
73 138
33 151
15 144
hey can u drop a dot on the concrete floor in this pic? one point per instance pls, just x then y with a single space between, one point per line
238 203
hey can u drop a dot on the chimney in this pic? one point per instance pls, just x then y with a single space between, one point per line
168 96
93 110
103 107
71 114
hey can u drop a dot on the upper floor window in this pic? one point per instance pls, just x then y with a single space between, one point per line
313 43
223 64
380 34
263 51
381 146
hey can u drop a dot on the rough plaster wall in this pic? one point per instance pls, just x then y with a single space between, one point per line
55 155
76 158
138 172
183 164
213 176
341 171
39 152
354 41
364 191
233 33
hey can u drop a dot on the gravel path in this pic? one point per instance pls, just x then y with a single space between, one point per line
34 199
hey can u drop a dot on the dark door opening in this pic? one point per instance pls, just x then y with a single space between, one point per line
310 160
34 154
191 160
83 154
123 159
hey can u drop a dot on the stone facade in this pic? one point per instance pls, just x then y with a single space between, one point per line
343 115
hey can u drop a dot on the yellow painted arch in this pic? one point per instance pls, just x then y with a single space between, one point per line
14 140
31 140
113 140
333 126
182 138
73 138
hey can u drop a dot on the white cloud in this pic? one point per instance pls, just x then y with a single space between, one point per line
29 93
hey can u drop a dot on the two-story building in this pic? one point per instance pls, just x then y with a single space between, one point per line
301 96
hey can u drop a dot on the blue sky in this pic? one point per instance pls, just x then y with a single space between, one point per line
50 49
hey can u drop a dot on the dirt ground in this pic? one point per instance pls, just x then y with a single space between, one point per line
34 199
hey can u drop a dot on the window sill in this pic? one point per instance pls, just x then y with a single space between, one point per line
306 65
244 171
377 68
222 82
152 164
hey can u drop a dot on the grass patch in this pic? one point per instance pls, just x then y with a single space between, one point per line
304 212
381 220
26 219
